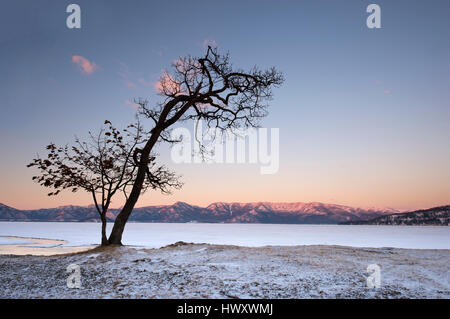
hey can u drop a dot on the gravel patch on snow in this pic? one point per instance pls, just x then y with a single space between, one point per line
215 271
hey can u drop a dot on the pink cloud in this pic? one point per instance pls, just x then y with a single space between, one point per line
167 85
387 91
84 64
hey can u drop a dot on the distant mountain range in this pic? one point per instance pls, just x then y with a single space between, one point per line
437 216
261 212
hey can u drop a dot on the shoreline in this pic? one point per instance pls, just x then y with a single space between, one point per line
156 235
46 247
38 247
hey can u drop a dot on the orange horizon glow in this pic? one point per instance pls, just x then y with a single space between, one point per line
205 184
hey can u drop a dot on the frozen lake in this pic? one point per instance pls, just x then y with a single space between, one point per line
155 235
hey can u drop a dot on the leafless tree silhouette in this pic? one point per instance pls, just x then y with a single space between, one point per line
104 165
206 88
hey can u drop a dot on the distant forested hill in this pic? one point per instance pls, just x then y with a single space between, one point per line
437 216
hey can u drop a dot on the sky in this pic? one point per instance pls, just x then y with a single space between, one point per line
363 115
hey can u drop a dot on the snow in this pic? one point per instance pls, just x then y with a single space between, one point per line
156 235
218 271
227 261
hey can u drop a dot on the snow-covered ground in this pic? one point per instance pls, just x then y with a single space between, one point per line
227 261
251 235
218 271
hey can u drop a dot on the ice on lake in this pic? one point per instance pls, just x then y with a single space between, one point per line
12 241
155 235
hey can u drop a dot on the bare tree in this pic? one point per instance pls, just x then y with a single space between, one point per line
105 165
206 88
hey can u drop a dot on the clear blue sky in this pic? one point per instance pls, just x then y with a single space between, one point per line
364 114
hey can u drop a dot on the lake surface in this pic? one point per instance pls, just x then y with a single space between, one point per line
155 235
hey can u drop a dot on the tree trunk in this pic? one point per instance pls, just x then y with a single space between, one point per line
104 238
115 238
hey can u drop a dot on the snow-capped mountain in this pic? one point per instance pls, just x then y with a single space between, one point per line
259 212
